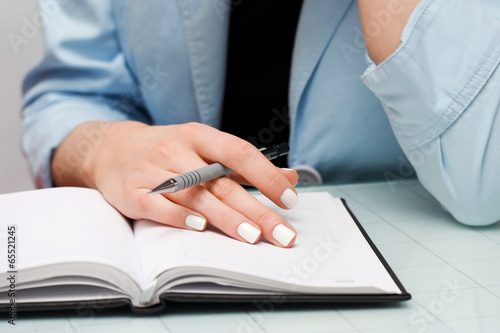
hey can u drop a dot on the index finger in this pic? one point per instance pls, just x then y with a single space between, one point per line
247 161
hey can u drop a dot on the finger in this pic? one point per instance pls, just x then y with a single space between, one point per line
262 174
189 161
290 174
150 176
159 209
274 228
218 214
245 159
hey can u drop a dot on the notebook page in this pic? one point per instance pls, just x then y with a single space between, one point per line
329 252
67 225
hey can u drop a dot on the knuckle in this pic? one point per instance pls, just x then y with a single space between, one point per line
162 149
225 221
144 206
192 197
240 151
167 150
222 188
264 216
274 179
190 129
148 209
226 217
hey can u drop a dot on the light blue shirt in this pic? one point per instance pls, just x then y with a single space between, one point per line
435 101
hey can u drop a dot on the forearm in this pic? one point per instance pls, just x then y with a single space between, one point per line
382 22
440 93
460 167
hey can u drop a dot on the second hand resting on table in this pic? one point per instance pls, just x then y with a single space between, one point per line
131 158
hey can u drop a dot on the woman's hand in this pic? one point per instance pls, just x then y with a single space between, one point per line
125 160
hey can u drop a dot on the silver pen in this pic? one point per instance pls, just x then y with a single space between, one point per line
211 172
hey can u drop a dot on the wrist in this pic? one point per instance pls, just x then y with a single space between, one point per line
105 141
76 161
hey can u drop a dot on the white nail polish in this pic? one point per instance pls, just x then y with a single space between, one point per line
248 232
289 198
283 235
196 222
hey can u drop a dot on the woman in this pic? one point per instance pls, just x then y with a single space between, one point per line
129 94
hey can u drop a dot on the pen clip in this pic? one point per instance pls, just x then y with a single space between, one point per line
275 151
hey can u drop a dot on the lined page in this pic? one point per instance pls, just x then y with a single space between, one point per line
67 225
330 253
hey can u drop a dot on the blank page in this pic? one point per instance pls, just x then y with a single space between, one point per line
330 252
67 225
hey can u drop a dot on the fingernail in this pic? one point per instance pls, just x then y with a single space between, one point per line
196 222
289 198
248 232
283 235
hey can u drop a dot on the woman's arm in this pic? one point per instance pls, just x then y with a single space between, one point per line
441 91
85 124
382 22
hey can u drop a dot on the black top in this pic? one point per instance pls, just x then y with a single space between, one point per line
260 44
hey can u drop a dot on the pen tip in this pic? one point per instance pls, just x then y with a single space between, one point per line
168 186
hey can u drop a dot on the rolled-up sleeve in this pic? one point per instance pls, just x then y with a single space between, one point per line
82 77
441 93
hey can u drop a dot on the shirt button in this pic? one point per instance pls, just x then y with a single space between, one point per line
308 175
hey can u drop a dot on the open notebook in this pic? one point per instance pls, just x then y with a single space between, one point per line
72 249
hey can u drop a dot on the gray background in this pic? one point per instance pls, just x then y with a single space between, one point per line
14 172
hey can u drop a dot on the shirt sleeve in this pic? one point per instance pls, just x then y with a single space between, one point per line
82 77
441 93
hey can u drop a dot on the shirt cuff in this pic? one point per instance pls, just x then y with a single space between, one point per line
448 51
48 120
